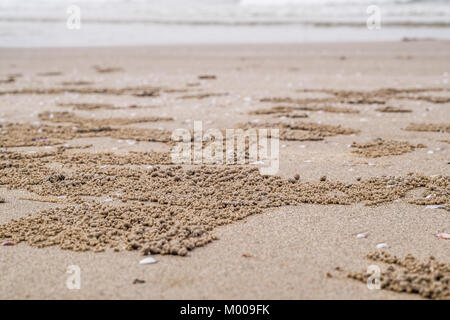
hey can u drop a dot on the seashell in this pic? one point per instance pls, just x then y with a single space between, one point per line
361 236
7 243
382 246
148 260
443 235
435 206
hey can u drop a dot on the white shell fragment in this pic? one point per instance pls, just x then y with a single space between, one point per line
382 246
443 235
435 206
148 260
361 236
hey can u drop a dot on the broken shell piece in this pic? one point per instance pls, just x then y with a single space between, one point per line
443 235
382 246
437 206
138 281
257 162
148 260
7 243
361 236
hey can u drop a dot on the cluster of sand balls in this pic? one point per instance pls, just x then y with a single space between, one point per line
201 184
389 109
27 135
71 117
429 127
287 110
99 106
302 131
381 148
147 206
428 278
142 91
379 96
97 227
141 201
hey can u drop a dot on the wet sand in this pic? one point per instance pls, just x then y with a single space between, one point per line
283 251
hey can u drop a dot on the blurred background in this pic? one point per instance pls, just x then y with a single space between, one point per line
42 23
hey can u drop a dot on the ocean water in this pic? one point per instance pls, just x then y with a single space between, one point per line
41 23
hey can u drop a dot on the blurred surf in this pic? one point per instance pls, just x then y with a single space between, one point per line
141 22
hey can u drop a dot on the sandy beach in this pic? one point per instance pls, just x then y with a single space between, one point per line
87 180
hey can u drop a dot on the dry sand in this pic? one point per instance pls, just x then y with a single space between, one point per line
342 118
